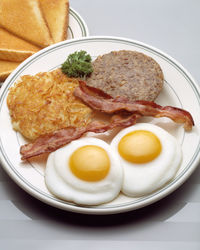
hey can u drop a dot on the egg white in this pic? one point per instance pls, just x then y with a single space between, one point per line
145 178
65 185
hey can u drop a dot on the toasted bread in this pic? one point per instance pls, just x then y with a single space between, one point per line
6 68
24 18
13 48
56 13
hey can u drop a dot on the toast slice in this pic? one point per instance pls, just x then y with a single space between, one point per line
24 18
13 48
6 68
56 13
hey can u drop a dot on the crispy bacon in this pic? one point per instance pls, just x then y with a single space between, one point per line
97 100
52 141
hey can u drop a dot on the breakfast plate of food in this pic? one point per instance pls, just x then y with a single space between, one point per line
100 125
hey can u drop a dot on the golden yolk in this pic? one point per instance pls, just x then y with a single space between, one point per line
90 163
139 146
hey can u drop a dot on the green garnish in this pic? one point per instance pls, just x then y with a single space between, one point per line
78 64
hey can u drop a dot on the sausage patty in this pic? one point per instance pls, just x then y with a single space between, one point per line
127 73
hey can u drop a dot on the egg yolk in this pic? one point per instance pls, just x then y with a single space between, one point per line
139 146
90 163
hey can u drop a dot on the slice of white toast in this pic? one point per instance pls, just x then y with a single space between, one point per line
24 18
56 13
13 48
6 68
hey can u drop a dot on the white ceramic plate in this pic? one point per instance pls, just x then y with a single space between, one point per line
179 90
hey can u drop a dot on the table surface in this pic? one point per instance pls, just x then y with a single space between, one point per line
172 223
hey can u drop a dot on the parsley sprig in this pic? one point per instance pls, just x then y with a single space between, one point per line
78 64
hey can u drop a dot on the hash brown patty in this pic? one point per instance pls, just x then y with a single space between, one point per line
43 103
127 73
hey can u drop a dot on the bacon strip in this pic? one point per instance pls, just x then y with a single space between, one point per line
96 100
100 101
52 141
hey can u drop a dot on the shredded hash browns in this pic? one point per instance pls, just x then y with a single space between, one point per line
43 103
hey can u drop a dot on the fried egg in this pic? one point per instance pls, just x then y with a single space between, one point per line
86 171
150 158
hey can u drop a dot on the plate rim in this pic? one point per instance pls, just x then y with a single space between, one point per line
81 22
96 210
